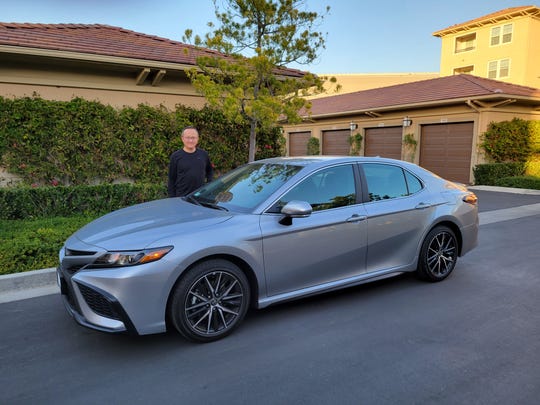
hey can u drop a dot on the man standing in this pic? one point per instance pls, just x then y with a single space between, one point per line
189 167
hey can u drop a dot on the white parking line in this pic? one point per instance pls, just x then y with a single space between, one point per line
506 214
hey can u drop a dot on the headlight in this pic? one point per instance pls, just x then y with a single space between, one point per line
122 258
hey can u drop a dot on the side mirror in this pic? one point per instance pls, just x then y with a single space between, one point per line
295 209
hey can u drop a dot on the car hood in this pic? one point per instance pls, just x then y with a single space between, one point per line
141 225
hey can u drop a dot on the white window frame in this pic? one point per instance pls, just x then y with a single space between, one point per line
501 68
498 34
465 43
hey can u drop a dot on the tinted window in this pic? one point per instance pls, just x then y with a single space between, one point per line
328 188
246 187
413 183
387 181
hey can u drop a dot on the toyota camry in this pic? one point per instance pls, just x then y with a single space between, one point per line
267 232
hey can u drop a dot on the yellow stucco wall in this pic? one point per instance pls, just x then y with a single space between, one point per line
351 82
532 70
523 52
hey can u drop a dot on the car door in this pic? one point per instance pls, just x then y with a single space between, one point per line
328 245
399 211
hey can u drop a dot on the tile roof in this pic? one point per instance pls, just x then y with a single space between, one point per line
442 89
105 40
491 19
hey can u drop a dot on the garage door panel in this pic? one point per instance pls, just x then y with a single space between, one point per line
384 142
336 142
298 142
445 149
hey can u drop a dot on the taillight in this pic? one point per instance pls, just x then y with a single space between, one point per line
471 198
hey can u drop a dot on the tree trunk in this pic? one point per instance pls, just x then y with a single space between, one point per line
252 140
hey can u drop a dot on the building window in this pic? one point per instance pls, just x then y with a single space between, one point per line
501 34
499 69
465 43
464 69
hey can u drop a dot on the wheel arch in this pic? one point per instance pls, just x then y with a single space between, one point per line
242 264
455 228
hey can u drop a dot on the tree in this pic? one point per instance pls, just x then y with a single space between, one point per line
249 79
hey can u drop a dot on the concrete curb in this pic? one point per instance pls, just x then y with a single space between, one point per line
505 190
28 284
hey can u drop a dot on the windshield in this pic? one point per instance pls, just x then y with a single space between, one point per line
246 187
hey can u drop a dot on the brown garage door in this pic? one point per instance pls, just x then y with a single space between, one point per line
298 143
384 142
445 149
336 142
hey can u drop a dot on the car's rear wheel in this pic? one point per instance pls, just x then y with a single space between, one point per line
210 301
438 254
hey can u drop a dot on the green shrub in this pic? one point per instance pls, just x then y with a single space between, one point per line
82 142
511 141
488 174
528 182
313 146
533 165
27 245
38 202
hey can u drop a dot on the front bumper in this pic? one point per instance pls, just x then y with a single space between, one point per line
131 299
92 307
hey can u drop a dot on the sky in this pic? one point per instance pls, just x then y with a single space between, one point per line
378 36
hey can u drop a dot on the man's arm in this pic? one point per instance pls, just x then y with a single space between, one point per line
209 169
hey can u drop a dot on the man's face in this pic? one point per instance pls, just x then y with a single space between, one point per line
190 138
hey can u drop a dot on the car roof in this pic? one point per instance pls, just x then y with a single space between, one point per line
326 159
312 163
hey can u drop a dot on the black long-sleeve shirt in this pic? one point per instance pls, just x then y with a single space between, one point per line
188 172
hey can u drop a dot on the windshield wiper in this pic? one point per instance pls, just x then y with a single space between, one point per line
212 205
192 199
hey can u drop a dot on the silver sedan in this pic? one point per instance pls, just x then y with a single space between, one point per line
270 231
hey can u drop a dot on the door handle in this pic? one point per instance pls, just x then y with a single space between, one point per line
422 206
357 218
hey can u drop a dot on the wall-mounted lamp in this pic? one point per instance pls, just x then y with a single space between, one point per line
353 126
407 121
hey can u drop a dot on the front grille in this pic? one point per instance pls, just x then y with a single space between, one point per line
98 302
72 252
66 291
74 269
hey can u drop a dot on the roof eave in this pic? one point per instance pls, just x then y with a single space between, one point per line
429 104
96 58
532 11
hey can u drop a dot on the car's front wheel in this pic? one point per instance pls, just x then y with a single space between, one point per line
438 254
210 301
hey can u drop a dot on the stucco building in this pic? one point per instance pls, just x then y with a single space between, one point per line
98 62
438 122
504 45
434 121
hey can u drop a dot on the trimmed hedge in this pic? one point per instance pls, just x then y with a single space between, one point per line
30 245
79 142
35 222
39 202
528 182
488 174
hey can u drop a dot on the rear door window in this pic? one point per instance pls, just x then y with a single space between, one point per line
385 181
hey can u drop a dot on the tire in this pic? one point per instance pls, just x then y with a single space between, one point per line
438 254
210 301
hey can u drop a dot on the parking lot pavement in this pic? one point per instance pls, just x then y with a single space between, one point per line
496 204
